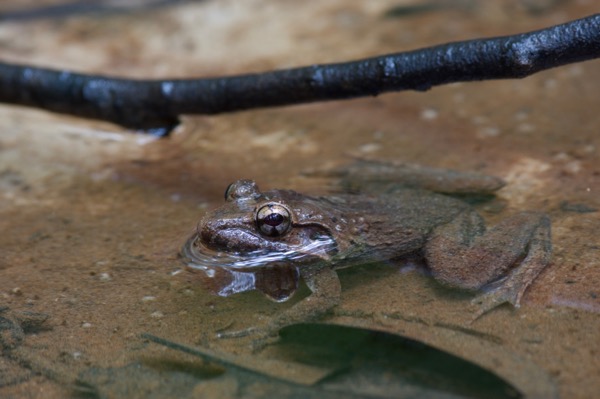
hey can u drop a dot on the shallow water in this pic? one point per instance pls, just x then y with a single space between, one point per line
93 216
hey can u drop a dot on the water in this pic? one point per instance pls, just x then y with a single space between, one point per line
93 219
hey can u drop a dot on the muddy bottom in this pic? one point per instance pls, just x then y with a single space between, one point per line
93 216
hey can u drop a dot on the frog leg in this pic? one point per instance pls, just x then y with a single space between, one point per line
326 293
510 255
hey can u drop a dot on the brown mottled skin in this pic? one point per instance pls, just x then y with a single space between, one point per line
446 231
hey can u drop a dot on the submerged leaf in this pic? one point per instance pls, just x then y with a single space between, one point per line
379 364
347 362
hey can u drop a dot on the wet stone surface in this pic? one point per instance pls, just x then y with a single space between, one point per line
92 217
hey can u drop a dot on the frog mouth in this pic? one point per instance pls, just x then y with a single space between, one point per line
198 255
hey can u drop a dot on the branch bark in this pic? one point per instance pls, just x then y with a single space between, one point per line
154 105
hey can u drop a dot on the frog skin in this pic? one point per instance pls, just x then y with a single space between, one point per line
312 237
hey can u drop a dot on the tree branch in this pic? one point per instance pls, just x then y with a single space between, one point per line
154 105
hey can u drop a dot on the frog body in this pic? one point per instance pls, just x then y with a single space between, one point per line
268 240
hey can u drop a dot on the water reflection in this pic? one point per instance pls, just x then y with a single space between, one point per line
273 273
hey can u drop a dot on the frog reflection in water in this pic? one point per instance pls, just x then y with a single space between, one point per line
267 240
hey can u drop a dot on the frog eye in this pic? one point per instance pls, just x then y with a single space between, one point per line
228 191
273 220
241 189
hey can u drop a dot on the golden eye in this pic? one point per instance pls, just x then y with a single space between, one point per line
273 220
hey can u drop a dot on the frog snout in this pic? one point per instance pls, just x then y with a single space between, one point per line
211 233
223 235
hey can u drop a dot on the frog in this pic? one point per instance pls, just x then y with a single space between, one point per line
269 240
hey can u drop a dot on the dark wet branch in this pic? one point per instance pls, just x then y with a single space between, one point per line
154 105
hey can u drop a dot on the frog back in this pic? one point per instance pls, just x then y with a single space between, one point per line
391 225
